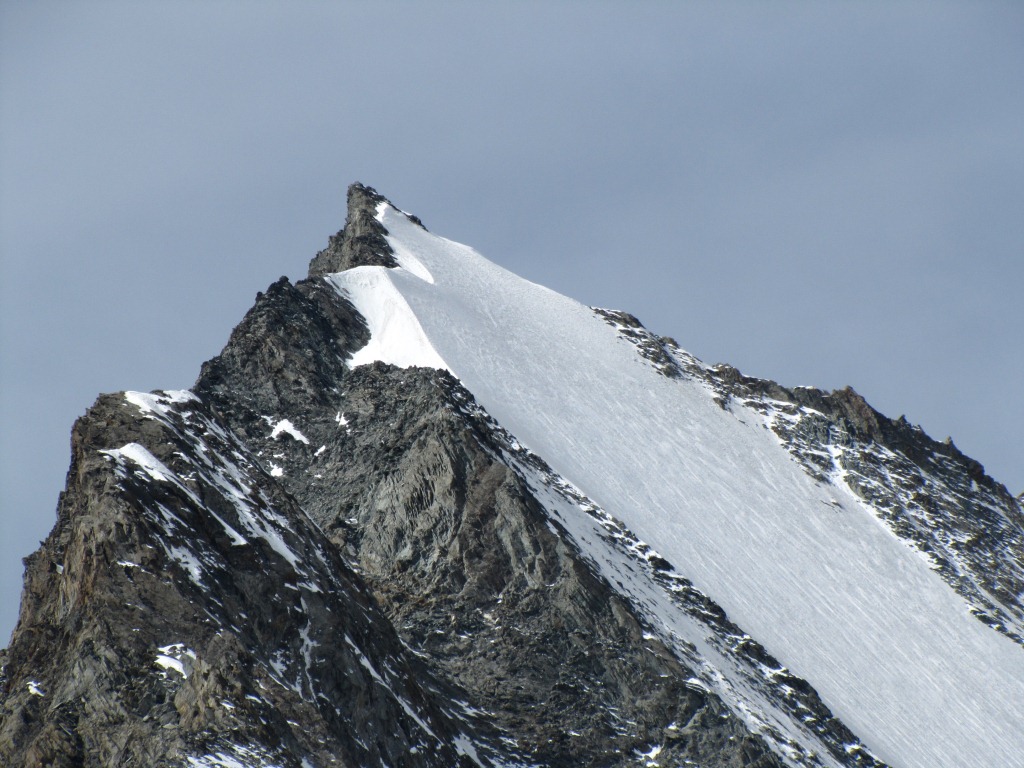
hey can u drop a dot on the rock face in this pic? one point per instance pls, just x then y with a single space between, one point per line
185 606
361 242
300 563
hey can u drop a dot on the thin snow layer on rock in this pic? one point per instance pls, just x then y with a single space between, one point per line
158 402
828 591
147 463
236 756
747 688
223 468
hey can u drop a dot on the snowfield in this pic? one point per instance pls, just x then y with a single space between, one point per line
805 568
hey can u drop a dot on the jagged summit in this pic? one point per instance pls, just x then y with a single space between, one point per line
421 512
362 241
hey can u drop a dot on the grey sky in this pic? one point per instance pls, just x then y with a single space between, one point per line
818 193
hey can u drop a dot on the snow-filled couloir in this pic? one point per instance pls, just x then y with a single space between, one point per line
805 567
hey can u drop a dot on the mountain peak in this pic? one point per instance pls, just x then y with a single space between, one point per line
361 242
442 516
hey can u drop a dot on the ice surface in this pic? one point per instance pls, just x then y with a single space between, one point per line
827 590
187 560
167 662
626 562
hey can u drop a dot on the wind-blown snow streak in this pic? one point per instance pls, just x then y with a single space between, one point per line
827 589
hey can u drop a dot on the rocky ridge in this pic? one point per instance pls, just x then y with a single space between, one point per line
928 493
185 610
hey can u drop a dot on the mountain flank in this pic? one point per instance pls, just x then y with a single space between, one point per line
303 561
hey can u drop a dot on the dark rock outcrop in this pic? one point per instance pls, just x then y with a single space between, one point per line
362 240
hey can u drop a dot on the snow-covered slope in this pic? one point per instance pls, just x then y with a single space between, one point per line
805 567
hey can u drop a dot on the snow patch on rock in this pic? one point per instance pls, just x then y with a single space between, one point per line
285 427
